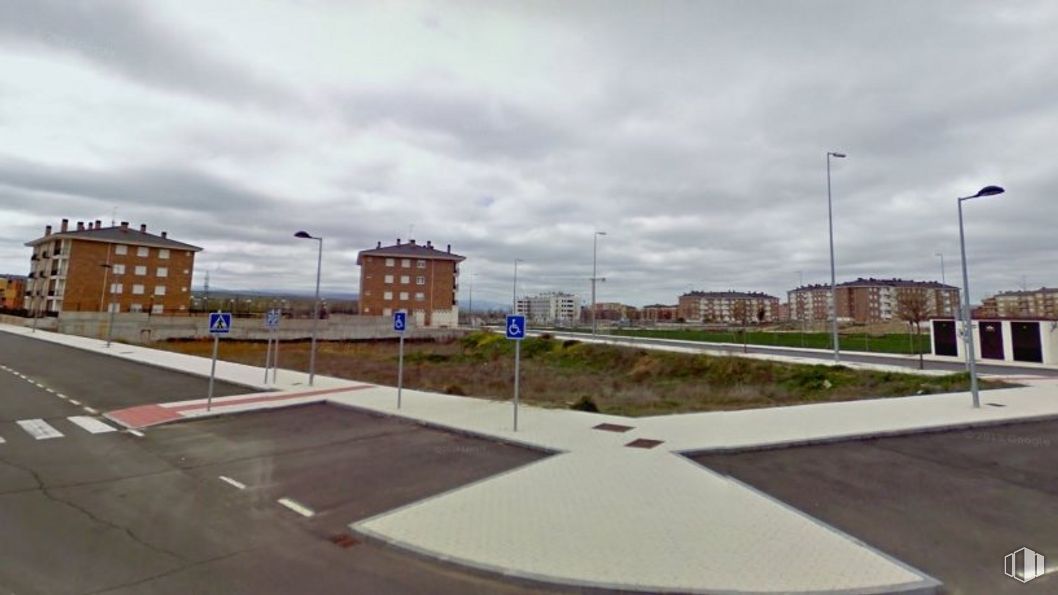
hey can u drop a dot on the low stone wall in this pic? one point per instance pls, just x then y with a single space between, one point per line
144 328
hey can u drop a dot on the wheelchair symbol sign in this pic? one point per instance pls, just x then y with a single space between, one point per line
399 321
516 327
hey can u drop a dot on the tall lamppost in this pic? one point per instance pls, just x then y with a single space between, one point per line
968 335
943 278
315 304
594 274
110 307
833 274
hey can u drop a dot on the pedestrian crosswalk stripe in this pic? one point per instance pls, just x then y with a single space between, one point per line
92 424
39 429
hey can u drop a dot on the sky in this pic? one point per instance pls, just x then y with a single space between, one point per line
694 134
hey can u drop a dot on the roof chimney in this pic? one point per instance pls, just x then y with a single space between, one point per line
80 226
450 248
143 228
165 234
412 242
47 230
398 241
379 244
99 224
429 244
65 225
124 225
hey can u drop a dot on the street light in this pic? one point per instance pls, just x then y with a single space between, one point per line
968 335
943 280
594 274
833 275
110 318
316 303
514 293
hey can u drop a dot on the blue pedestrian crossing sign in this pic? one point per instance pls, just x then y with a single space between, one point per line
272 319
400 321
219 323
516 327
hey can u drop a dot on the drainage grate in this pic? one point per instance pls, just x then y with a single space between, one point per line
612 428
643 443
995 404
343 540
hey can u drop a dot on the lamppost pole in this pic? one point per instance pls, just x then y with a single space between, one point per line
833 274
967 329
514 291
315 304
594 275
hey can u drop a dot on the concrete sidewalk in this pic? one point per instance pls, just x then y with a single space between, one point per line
619 507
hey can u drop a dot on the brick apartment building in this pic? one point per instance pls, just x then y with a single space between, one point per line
611 311
660 313
416 278
1039 303
870 300
728 306
12 288
93 268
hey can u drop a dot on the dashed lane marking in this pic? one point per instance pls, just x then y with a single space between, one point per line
237 484
297 507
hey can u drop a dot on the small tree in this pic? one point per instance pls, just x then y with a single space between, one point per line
913 307
740 312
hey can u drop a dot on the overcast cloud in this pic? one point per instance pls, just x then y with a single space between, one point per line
693 133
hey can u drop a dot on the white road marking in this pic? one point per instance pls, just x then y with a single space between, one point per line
136 433
238 484
75 402
296 507
2 440
90 410
61 396
91 424
39 429
50 390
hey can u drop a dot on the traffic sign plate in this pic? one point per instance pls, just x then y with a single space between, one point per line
272 319
219 323
516 327
400 321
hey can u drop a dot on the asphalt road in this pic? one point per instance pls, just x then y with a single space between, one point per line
848 356
112 512
951 504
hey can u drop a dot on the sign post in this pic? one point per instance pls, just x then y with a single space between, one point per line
400 323
516 332
275 349
219 324
272 322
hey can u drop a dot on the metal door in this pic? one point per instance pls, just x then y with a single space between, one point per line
991 332
1027 345
945 341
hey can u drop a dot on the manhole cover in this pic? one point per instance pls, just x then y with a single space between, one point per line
612 428
643 443
343 540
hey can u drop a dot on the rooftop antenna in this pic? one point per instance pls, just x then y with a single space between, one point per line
113 216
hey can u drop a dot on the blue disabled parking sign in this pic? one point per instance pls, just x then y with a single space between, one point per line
400 321
516 327
219 323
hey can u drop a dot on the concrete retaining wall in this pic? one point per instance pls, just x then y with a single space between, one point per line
144 328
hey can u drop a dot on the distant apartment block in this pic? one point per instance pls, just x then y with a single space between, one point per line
410 277
549 308
12 290
871 300
728 307
94 268
660 313
1039 303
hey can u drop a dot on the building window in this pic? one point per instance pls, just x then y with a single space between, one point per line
157 309
118 269
141 270
404 295
420 296
387 295
163 254
388 279
367 310
136 308
404 279
121 249
420 264
163 271
116 288
143 251
406 263
183 289
137 290
420 280
159 290
114 307
385 311
389 262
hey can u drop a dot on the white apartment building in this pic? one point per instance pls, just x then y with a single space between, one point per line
549 308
